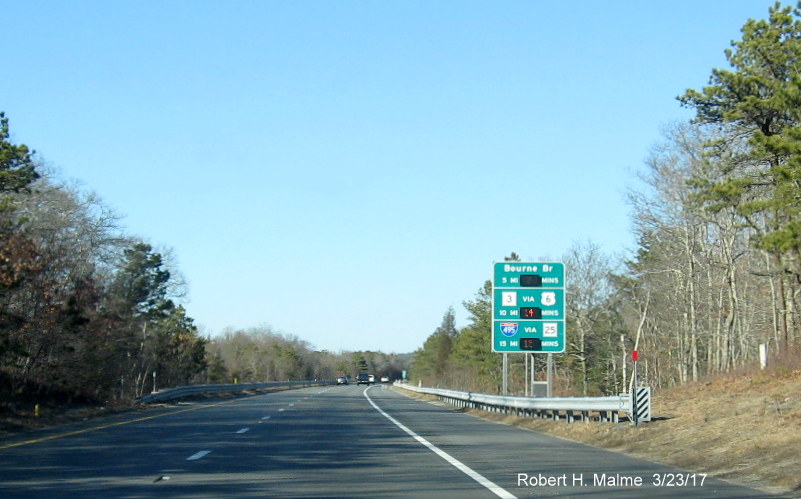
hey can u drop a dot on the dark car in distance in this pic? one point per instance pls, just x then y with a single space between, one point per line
363 379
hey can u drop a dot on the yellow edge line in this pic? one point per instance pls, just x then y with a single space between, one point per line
87 430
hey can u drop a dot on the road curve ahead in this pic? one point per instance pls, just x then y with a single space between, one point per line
338 441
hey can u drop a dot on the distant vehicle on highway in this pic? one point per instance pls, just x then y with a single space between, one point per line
385 379
363 379
372 379
342 380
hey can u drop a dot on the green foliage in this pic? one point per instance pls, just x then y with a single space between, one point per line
217 372
760 99
141 285
360 363
179 354
343 368
18 254
17 168
431 361
472 352
763 86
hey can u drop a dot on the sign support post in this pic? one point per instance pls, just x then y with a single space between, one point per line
504 388
525 375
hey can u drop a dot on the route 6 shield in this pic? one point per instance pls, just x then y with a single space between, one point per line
549 299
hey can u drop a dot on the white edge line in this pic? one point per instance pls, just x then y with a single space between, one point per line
496 489
197 455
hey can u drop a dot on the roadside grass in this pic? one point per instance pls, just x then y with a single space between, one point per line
22 417
744 428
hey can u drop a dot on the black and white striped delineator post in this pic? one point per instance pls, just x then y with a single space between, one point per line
640 396
642 403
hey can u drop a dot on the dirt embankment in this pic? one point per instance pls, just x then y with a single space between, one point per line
742 428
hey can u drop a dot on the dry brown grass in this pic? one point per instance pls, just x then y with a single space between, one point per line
744 428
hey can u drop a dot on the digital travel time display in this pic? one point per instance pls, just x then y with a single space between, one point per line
530 281
530 313
530 344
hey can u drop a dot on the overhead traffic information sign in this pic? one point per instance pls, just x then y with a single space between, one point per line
528 307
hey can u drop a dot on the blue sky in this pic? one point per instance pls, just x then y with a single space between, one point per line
345 171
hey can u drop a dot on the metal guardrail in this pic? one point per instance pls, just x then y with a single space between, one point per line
604 409
187 391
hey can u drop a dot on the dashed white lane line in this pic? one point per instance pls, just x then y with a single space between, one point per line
197 455
281 409
244 430
496 489
265 418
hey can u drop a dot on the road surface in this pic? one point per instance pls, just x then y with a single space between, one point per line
334 441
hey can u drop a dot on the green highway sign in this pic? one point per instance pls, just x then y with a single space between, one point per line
528 307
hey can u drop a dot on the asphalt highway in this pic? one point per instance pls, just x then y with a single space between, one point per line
336 441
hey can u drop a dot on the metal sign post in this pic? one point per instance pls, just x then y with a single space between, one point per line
505 387
525 375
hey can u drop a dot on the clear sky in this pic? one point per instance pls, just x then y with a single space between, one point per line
345 171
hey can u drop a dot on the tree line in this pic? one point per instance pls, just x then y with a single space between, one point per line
86 312
259 353
717 267
89 313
